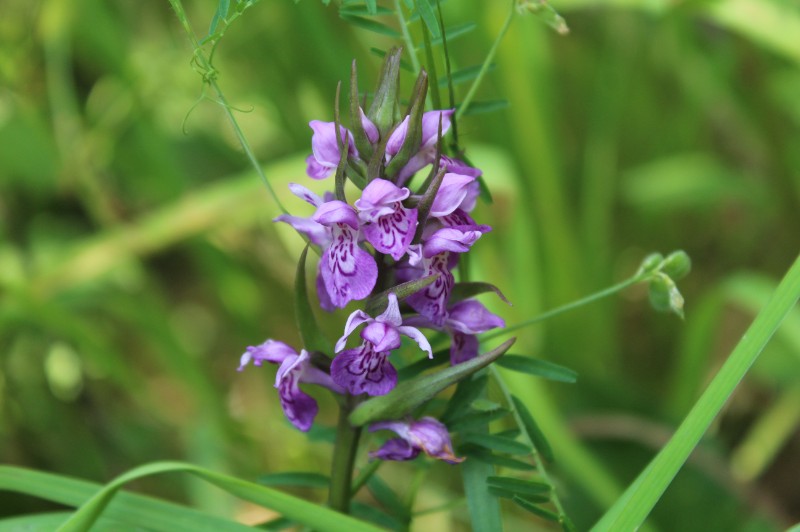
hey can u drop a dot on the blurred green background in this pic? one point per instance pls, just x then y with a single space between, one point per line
138 257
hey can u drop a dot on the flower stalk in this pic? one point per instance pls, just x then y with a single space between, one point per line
344 457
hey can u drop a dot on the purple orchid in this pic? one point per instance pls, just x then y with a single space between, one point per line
347 272
390 227
326 152
426 153
455 190
427 435
464 320
366 369
299 407
435 257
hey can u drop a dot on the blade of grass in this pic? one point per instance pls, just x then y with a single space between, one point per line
633 507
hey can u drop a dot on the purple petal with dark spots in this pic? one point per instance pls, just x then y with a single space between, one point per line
364 370
348 272
393 233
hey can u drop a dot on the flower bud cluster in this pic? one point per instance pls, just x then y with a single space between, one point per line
389 236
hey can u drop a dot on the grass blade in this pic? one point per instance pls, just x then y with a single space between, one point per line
635 504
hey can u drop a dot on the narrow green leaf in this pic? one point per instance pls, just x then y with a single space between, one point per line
50 521
410 394
537 510
496 443
463 291
301 479
532 430
310 333
377 303
425 11
486 106
219 15
362 10
471 418
519 486
372 25
540 368
291 507
484 512
279 523
477 453
453 33
465 74
633 507
388 499
466 392
440 358
507 494
372 6
374 515
128 508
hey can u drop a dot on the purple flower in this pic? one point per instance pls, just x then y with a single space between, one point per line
390 227
426 153
347 272
366 369
326 152
427 435
452 193
299 407
464 320
434 257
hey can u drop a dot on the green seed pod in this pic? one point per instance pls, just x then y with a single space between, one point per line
664 295
677 265
651 262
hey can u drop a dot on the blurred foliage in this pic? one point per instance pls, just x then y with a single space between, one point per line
137 256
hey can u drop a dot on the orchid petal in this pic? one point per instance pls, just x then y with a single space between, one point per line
354 320
416 335
363 370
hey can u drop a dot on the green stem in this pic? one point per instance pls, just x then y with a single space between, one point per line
412 52
488 61
344 456
365 475
571 306
210 78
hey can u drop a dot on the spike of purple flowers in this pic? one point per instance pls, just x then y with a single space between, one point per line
389 226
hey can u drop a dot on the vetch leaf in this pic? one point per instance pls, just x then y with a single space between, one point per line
371 25
506 494
453 33
301 479
473 419
463 291
486 106
540 368
310 333
410 394
518 486
361 10
484 512
496 443
478 453
537 510
425 11
219 15
532 430
467 391
464 75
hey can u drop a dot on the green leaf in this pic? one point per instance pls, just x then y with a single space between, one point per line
633 507
301 479
486 106
364 10
484 512
410 394
291 507
464 75
220 14
537 510
50 521
388 499
128 508
478 453
425 11
453 33
496 443
467 391
506 494
471 418
372 25
440 358
375 515
310 333
540 368
518 486
547 14
463 291
377 303
532 430
372 6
